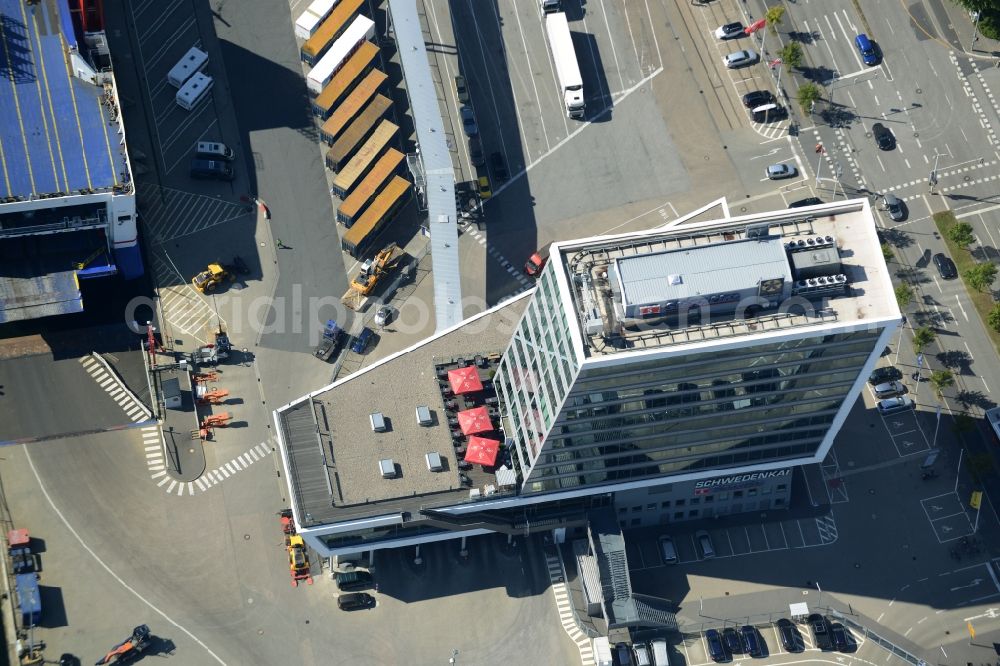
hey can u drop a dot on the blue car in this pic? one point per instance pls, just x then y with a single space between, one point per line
867 49
362 341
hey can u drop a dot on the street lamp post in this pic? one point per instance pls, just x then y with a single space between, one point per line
975 32
820 602
933 179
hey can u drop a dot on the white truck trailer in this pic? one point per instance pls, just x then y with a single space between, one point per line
567 67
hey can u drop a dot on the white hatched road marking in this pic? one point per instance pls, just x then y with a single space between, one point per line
168 213
565 610
183 307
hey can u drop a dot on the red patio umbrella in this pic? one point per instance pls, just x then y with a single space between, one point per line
482 451
465 380
475 420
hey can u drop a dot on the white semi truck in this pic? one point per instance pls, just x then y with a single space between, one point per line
567 67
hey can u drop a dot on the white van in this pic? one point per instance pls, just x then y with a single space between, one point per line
214 150
194 91
660 655
193 61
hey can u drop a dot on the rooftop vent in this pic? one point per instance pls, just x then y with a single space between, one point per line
674 279
387 468
433 461
424 416
378 422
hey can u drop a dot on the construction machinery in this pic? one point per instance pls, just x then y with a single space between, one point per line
212 354
298 560
209 423
128 649
211 278
216 396
372 271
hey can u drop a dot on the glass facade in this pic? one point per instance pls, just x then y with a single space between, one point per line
537 371
709 410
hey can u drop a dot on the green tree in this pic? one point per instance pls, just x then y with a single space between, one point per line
791 55
922 337
887 253
942 379
961 234
809 94
981 276
993 318
904 295
774 16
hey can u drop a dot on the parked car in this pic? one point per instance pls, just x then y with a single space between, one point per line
461 90
469 121
808 201
945 266
485 191
641 653
895 207
757 98
730 31
894 405
499 167
731 639
889 389
838 634
768 113
740 59
383 316
705 546
779 171
476 154
820 632
361 342
715 648
884 137
667 550
789 636
623 654
752 644
355 600
886 373
351 581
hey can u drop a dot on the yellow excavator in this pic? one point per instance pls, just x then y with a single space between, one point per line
210 278
372 270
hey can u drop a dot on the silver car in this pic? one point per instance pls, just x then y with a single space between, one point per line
740 59
893 405
889 389
779 171
894 207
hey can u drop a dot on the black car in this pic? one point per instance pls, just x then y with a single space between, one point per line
789 636
883 136
355 600
752 645
821 632
886 373
945 266
715 648
838 634
732 640
758 98
808 201
500 174
350 581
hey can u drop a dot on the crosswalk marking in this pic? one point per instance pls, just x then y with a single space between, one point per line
183 307
565 610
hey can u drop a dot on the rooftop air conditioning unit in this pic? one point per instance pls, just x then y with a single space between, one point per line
424 416
433 461
387 468
377 421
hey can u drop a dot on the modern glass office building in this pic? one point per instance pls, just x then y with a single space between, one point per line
693 351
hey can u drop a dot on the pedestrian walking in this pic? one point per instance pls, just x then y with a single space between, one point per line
281 246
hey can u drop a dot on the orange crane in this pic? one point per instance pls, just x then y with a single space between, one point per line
216 396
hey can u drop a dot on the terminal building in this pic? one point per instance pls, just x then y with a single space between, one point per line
650 378
67 202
